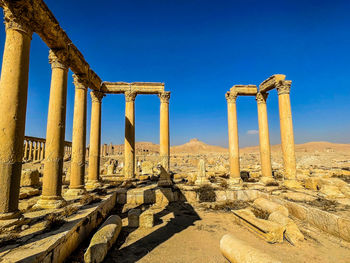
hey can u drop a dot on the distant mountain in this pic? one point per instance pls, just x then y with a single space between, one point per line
196 146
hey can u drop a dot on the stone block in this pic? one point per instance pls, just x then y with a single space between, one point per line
238 251
331 191
147 168
30 178
293 184
344 228
323 220
312 183
297 210
103 240
269 206
147 219
134 217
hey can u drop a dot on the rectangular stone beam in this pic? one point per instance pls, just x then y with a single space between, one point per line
138 87
271 82
40 19
244 90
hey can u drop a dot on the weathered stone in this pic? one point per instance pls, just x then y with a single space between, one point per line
164 177
269 231
238 251
270 206
147 168
292 233
331 191
312 183
147 219
201 175
293 184
30 178
134 217
103 240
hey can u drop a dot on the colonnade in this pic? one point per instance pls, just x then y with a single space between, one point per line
286 126
20 23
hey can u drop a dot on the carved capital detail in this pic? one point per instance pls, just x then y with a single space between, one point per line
56 62
130 96
164 96
96 96
231 97
261 97
283 87
80 82
16 23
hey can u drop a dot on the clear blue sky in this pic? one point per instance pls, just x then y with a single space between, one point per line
199 49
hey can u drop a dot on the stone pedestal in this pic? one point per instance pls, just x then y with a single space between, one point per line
53 169
264 138
164 177
286 126
13 98
76 185
129 144
233 136
201 176
95 141
164 130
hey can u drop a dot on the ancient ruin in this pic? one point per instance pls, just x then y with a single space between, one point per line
84 201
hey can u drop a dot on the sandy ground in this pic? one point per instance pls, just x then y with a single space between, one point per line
185 235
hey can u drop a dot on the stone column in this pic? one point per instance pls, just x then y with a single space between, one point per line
51 196
95 141
235 175
164 130
286 126
38 151
25 155
76 186
13 98
129 144
264 138
42 153
30 150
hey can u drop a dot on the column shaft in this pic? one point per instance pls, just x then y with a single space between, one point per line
52 180
164 131
95 140
233 136
264 138
286 126
79 135
13 98
129 144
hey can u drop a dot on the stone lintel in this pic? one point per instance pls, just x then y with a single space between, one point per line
244 90
138 87
41 20
271 82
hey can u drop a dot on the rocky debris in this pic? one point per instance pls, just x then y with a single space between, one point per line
238 251
146 219
147 168
201 175
103 240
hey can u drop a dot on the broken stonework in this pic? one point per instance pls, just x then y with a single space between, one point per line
146 219
134 217
269 206
30 177
103 240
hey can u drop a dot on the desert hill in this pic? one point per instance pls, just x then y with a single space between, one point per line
196 146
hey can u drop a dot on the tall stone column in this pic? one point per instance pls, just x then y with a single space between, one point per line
30 150
76 186
25 155
129 144
95 140
51 196
164 130
42 153
264 138
286 126
235 175
13 106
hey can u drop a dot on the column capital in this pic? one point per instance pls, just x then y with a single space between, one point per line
130 96
231 97
283 87
55 61
164 96
96 96
80 82
261 97
16 23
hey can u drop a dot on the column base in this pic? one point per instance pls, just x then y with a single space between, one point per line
50 202
92 185
10 215
75 192
234 181
293 184
266 180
